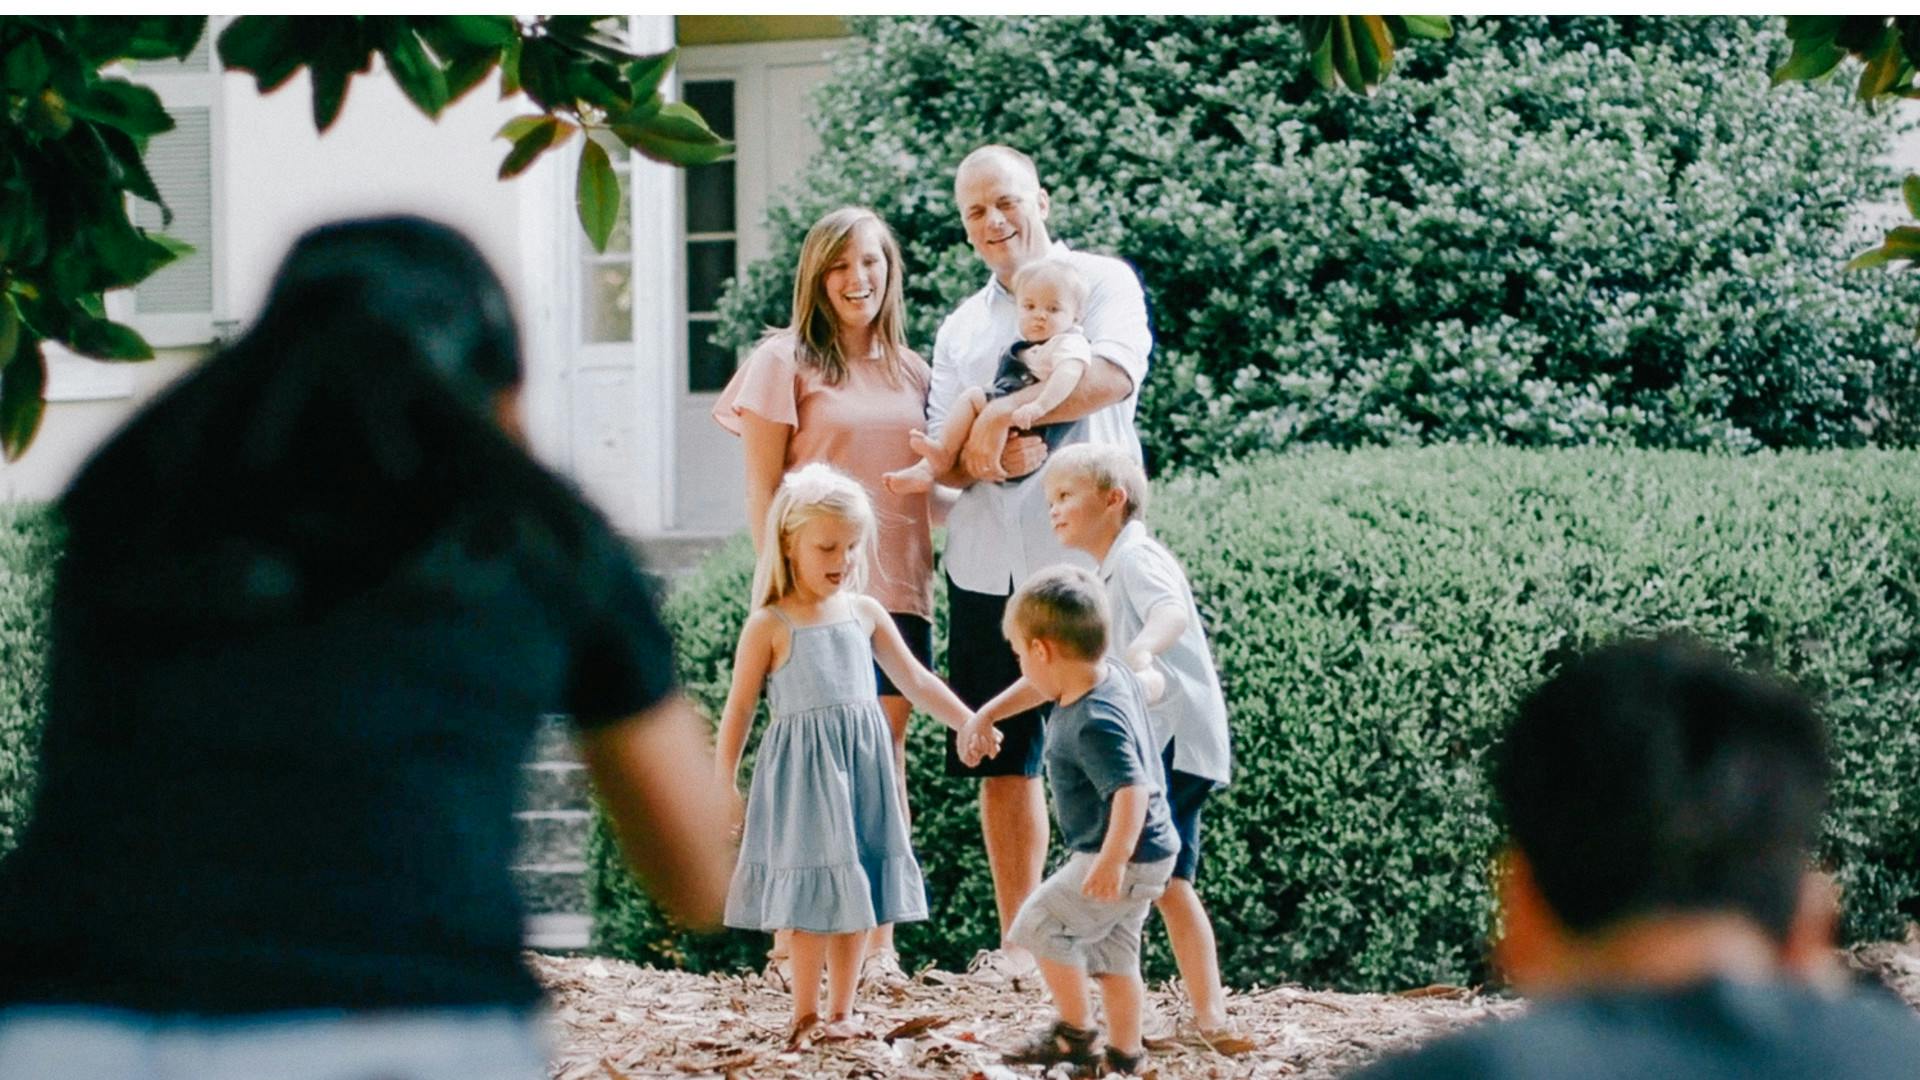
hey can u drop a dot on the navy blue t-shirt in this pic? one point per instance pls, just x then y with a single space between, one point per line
317 812
1099 744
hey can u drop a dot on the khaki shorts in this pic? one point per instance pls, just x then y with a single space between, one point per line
1102 937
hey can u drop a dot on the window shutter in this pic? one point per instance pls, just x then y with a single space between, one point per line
181 162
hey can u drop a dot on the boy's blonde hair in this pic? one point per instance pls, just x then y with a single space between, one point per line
1063 605
1058 273
809 492
1109 468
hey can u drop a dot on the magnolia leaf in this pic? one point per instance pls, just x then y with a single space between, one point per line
1884 64
267 45
23 387
675 135
549 132
104 339
133 109
129 169
597 194
648 72
9 328
1810 60
490 31
510 68
513 129
25 69
1911 189
1435 27
1813 27
419 77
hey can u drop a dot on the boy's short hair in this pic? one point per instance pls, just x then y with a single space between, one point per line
1064 605
1655 776
1058 273
1110 468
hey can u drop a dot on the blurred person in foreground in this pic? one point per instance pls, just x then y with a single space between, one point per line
1658 898
313 604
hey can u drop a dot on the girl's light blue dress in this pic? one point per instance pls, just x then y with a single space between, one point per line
826 848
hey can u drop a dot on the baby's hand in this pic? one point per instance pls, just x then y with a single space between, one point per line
1103 880
1026 416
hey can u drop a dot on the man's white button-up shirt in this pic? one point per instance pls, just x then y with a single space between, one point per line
998 533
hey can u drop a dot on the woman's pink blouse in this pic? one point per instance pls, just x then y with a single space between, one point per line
859 427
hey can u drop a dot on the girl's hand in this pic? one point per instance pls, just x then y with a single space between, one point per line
736 814
1103 880
977 740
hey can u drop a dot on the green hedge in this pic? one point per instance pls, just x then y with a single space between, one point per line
1543 232
1375 615
29 547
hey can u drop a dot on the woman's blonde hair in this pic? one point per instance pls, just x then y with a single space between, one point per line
814 325
809 492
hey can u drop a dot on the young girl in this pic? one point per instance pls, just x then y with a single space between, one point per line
825 851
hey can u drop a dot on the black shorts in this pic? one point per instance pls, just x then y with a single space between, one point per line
980 664
918 633
1186 794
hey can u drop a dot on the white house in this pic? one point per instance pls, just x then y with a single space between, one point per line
620 374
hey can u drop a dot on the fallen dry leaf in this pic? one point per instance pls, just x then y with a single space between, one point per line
615 1021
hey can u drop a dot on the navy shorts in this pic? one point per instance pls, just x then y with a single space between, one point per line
1186 794
918 633
980 664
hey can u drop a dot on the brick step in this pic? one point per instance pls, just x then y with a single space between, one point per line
554 785
552 836
556 888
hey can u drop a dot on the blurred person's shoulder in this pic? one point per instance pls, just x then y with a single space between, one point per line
1758 1031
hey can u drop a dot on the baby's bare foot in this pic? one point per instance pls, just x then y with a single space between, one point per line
912 480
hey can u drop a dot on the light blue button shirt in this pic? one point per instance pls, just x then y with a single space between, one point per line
1141 574
998 534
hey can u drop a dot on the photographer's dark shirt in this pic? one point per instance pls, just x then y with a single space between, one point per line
1710 1031
315 813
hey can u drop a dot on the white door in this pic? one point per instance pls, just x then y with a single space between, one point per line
759 96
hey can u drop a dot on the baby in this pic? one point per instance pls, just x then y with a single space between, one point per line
1050 297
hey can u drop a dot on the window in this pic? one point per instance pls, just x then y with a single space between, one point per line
713 240
606 281
179 303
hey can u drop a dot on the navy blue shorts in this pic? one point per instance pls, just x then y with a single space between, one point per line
918 633
980 664
1186 794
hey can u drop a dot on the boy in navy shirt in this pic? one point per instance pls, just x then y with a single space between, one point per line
1109 794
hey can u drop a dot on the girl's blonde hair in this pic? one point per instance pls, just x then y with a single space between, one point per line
815 326
809 492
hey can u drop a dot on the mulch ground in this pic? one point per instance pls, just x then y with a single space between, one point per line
617 1021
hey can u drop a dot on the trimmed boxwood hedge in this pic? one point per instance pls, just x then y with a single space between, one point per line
1375 615
29 547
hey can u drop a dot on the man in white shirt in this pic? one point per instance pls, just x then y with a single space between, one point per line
998 533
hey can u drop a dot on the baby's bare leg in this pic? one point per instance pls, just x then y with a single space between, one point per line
937 458
953 436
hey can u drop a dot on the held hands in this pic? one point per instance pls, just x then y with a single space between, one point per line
977 741
1103 879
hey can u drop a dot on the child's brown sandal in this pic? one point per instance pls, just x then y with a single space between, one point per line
802 1031
1060 1044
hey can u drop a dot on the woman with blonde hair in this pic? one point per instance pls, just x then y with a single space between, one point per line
839 385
